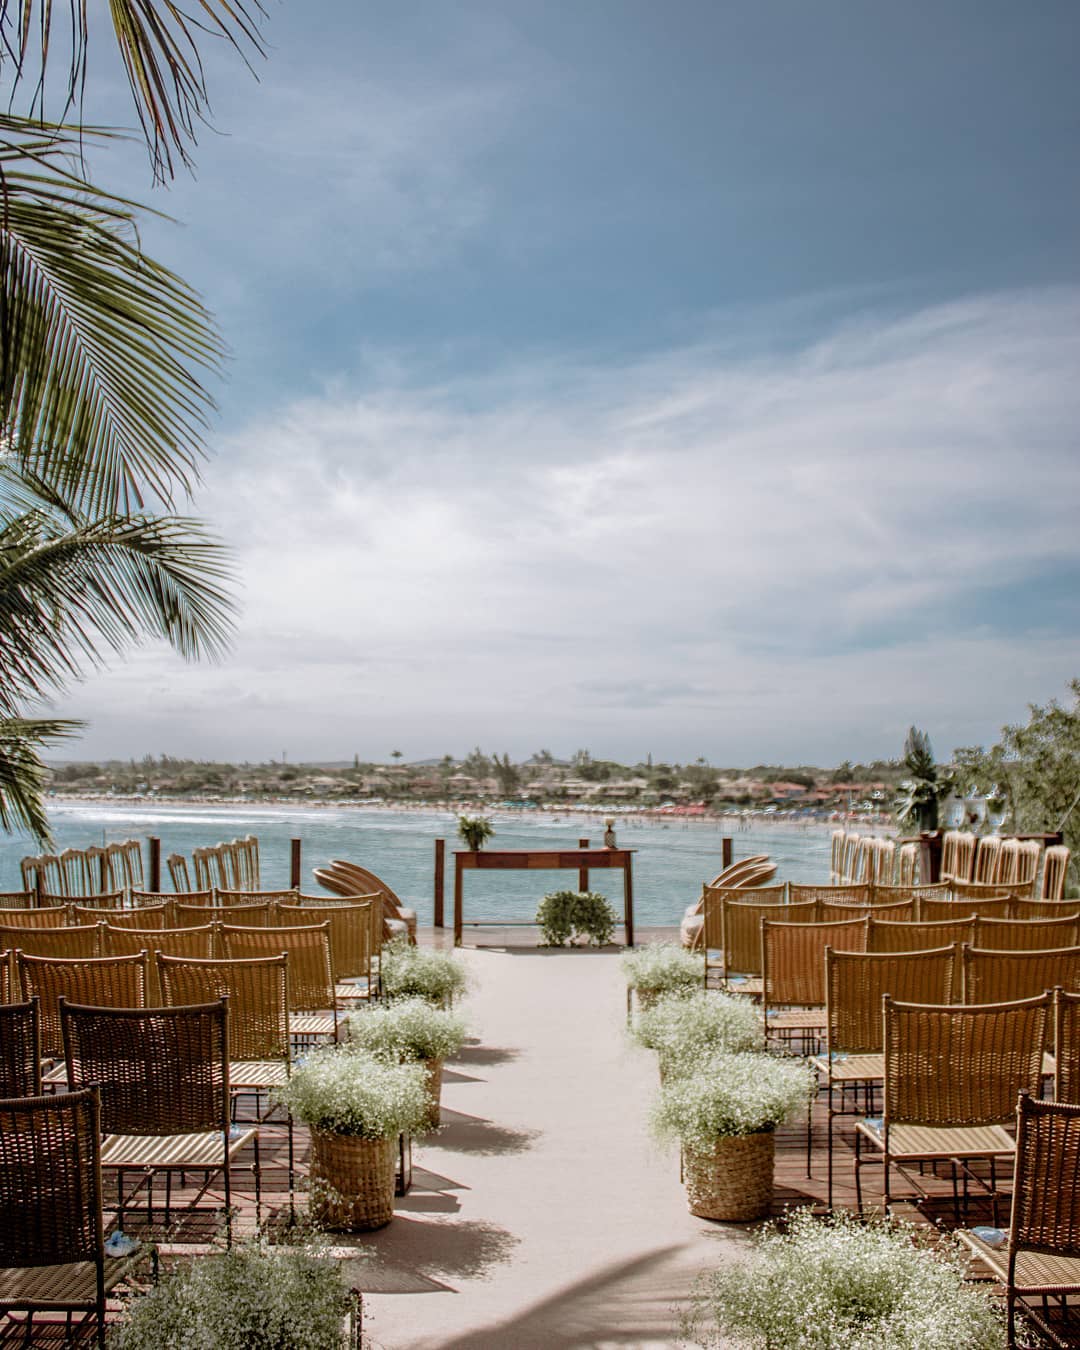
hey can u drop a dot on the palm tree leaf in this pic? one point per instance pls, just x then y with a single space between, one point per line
23 776
100 346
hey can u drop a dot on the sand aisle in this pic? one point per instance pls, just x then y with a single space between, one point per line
542 1214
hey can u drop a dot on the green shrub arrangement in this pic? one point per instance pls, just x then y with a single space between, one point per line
254 1297
342 1090
842 1282
407 1029
415 972
664 968
474 830
564 916
686 1030
730 1095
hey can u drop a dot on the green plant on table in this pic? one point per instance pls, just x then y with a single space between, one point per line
730 1095
819 1284
253 1297
474 831
406 971
407 1029
564 916
686 1030
343 1090
664 968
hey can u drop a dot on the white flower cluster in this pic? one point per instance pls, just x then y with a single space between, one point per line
409 1028
730 1095
343 1090
685 1030
844 1284
664 967
408 972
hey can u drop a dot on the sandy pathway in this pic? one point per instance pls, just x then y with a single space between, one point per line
542 1214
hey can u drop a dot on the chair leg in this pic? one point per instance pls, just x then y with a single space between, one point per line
858 1173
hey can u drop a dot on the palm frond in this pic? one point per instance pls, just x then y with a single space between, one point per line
101 348
158 44
23 777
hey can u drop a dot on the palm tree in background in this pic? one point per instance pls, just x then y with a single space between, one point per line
102 406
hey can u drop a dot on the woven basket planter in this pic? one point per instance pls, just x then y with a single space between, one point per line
734 1181
352 1181
433 1119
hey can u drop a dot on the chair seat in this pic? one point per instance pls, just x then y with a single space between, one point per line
247 1075
866 1068
941 1141
311 1024
57 1075
1036 1272
745 984
353 989
59 1287
796 1019
122 1151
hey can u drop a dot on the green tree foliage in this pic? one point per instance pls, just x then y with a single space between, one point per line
506 773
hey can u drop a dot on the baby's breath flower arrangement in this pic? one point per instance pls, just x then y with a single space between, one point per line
408 1028
730 1095
253 1297
342 1090
822 1284
686 1030
408 972
663 968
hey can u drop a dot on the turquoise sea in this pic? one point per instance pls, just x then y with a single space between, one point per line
673 859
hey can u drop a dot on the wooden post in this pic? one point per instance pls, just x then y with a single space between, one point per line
294 864
440 878
457 899
154 869
628 898
725 851
930 846
583 872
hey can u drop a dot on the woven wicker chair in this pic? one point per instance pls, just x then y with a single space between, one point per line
192 943
901 911
9 986
853 1065
952 1076
830 895
977 890
237 899
793 976
738 939
352 940
1066 1046
79 943
1055 871
1018 868
346 878
934 911
146 916
836 856
1040 1262
178 873
748 874
313 1004
907 864
17 900
110 982
52 1241
20 1049
884 935
164 1076
957 855
151 898
1014 935
1002 976
1045 909
987 860
254 915
50 916
102 900
915 894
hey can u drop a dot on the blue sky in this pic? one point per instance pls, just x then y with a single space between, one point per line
697 379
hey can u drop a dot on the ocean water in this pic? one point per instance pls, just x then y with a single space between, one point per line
673 857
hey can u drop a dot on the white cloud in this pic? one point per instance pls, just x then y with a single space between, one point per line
792 557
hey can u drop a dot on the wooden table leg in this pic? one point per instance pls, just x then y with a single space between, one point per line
628 899
457 901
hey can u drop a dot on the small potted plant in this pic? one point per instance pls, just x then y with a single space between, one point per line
725 1115
686 1030
355 1106
252 1297
474 831
843 1281
663 968
411 1029
420 972
567 916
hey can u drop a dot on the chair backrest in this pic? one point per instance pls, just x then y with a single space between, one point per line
365 882
187 942
1014 935
260 916
258 992
882 860
1045 1214
831 895
311 978
900 911
110 981
20 1049
77 943
884 935
1055 871
767 902
978 890
1000 976
178 872
961 1065
151 898
49 916
987 860
94 900
224 898
1045 909
17 900
957 854
1018 868
733 874
907 864
855 983
162 1071
895 894
836 855
793 959
9 990
933 911
352 932
50 1181
146 916
1066 1046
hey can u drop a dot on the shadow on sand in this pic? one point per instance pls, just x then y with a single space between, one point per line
474 1134
416 1256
